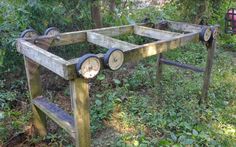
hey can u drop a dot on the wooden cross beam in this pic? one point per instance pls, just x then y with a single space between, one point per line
108 42
81 36
138 52
154 33
52 62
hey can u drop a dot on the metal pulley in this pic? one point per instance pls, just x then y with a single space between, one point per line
29 33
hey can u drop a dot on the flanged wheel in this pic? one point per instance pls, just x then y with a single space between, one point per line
205 34
114 58
214 32
52 31
88 66
29 33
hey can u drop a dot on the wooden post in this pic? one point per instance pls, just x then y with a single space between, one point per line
35 88
208 69
80 99
159 71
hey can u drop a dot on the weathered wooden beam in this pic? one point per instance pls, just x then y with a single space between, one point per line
35 90
159 47
46 59
159 71
181 65
58 115
108 42
150 49
154 33
207 73
80 36
79 89
115 31
185 27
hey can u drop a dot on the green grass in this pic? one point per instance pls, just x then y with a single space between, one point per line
175 118
130 102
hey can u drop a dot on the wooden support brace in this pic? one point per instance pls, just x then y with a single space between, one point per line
207 73
155 48
47 59
143 51
154 33
59 116
185 27
108 42
35 88
159 70
80 99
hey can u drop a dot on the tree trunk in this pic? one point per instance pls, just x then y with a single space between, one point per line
96 14
203 13
112 5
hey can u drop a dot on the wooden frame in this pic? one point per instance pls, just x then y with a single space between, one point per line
36 54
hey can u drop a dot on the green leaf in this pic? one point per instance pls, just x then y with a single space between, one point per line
2 116
194 132
188 141
117 82
101 77
173 137
99 95
136 143
143 145
98 102
164 142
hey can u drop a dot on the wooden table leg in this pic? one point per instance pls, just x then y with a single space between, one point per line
207 73
35 88
159 71
80 100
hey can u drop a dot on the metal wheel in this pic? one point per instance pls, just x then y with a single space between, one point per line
29 33
52 31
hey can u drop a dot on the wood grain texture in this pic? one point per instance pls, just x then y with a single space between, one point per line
155 48
108 42
154 33
143 51
35 89
159 71
46 59
185 27
58 115
207 73
80 99
81 36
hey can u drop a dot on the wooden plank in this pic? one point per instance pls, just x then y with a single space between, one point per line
154 33
207 73
150 49
108 42
79 89
116 31
58 115
46 59
35 89
159 72
80 36
159 47
185 27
